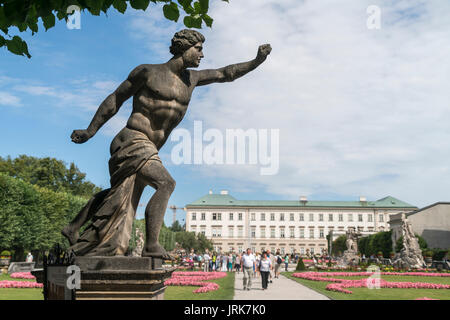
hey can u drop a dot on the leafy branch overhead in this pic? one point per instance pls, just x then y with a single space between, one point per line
25 15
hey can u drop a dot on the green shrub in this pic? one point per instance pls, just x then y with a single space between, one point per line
300 265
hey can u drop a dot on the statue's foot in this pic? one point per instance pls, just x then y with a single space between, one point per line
70 234
156 251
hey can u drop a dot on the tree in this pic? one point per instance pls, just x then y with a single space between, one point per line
25 15
339 245
31 217
176 226
49 173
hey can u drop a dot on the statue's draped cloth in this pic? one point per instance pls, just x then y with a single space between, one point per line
113 209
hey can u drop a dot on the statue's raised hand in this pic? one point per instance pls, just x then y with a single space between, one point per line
263 51
80 136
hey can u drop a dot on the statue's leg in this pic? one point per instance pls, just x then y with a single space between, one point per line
154 174
71 230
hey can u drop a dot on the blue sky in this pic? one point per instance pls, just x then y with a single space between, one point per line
360 112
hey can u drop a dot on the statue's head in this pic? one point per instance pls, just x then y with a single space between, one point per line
188 44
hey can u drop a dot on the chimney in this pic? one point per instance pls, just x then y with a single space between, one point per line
303 199
223 191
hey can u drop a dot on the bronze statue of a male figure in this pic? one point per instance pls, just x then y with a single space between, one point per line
161 95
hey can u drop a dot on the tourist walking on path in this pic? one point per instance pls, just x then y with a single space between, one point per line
213 262
278 262
272 261
248 265
258 259
230 263
238 262
264 268
206 262
224 263
286 262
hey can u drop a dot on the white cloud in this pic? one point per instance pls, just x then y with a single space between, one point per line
360 112
9 100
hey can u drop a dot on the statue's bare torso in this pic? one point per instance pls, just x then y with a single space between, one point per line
161 102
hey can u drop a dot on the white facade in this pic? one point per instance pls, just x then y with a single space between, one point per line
290 229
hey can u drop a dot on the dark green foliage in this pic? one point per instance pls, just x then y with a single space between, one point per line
300 265
399 243
25 15
339 245
176 227
31 217
49 173
380 242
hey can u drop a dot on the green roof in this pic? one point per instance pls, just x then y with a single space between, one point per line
226 200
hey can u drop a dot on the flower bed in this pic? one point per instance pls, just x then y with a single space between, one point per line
22 275
181 278
19 284
341 285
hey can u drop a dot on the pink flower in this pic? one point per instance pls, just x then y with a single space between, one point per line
19 284
22 275
180 278
339 285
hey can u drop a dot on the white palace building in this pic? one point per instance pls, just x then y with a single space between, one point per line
291 226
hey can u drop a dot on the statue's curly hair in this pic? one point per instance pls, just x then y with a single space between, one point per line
184 39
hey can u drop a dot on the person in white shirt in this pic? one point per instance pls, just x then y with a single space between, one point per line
206 258
265 265
248 263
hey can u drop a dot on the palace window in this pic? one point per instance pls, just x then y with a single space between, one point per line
203 230
253 232
330 217
381 217
230 232
263 217
281 232
272 217
281 216
311 233
360 218
291 233
302 233
272 232
302 217
203 218
194 216
311 217
263 232
350 217
231 216
214 216
240 216
320 216
370 218
253 216
291 217
340 217
240 231
321 233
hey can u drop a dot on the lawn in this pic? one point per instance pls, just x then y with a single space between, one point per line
19 293
225 292
383 293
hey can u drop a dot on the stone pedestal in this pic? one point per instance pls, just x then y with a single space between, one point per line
111 278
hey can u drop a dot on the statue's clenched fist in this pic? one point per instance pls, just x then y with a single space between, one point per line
263 51
80 136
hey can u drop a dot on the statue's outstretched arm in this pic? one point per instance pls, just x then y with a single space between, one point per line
234 71
111 105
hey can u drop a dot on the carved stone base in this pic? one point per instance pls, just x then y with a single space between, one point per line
112 278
